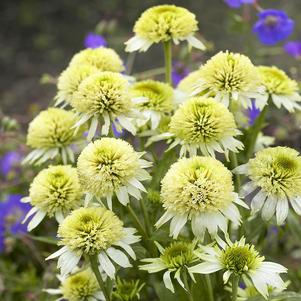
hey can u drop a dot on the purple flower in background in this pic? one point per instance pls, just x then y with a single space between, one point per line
9 162
179 71
253 113
93 40
273 26
12 213
117 133
237 3
293 48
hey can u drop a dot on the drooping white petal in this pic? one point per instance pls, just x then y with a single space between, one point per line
198 227
57 253
93 128
127 248
259 283
67 262
59 216
269 208
273 267
137 184
164 219
206 268
119 257
137 43
194 42
36 220
176 225
32 211
127 124
122 195
167 281
232 213
258 201
296 203
226 276
106 264
178 278
281 211
53 291
248 188
106 126
241 169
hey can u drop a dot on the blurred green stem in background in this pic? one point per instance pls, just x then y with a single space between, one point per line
209 287
168 62
235 280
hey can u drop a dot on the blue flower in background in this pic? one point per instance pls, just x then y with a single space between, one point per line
9 162
273 26
179 71
293 48
237 3
253 113
93 40
12 213
116 132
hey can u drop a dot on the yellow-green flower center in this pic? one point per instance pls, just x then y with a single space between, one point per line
90 230
164 22
56 189
201 120
103 92
159 95
240 259
197 184
276 81
179 254
277 170
109 162
80 286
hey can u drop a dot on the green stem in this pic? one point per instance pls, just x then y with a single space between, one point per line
235 281
146 219
94 265
137 222
255 130
209 287
234 163
167 57
188 291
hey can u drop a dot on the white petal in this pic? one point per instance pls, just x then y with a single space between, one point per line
232 213
258 201
176 225
106 126
268 209
67 262
273 267
109 201
106 264
259 284
127 248
59 216
194 42
32 211
164 219
93 128
281 211
198 227
296 204
167 281
206 268
57 253
137 43
119 257
137 184
53 291
122 195
36 220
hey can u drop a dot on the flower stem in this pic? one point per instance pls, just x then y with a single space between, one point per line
94 265
235 280
146 219
255 130
209 287
167 57
188 291
234 163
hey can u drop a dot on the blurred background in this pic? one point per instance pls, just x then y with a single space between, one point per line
38 39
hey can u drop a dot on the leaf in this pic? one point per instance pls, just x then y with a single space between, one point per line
45 239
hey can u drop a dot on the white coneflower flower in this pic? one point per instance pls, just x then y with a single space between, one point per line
202 124
153 99
276 173
175 259
80 286
282 90
164 23
102 58
240 260
231 77
94 231
104 98
50 135
199 189
55 191
115 168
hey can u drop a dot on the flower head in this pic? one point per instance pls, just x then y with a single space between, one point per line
163 23
176 258
282 89
203 124
104 59
94 231
237 3
69 81
276 172
93 40
240 259
55 191
80 286
293 48
231 77
12 212
51 135
127 290
114 167
273 26
153 99
104 96
199 189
